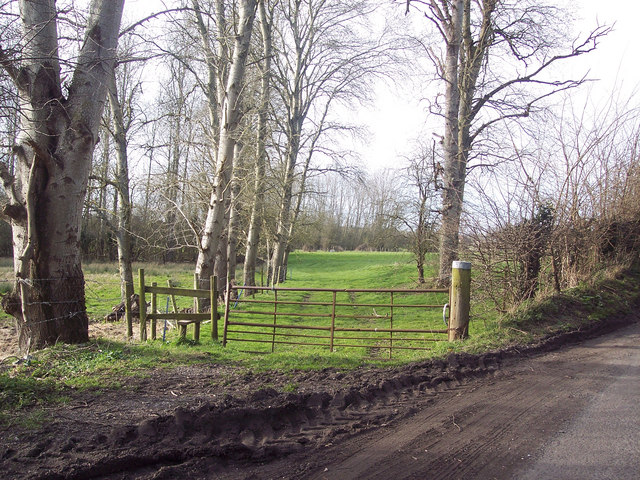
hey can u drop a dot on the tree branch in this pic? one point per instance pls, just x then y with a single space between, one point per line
588 45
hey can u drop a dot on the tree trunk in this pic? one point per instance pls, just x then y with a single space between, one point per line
234 213
470 56
123 232
451 196
255 220
284 217
173 175
102 240
230 118
55 149
296 211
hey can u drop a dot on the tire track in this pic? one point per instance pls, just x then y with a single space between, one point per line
489 432
270 426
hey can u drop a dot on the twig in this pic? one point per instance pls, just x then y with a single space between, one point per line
517 330
453 419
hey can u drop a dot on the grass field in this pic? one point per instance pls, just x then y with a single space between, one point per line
105 363
339 270
356 312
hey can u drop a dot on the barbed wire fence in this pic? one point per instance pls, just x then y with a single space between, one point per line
101 297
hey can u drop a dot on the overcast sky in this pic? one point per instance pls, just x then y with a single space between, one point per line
397 117
394 119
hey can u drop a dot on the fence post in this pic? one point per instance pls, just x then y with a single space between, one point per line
128 291
196 309
143 307
460 300
226 317
333 321
391 328
213 287
275 320
174 305
154 309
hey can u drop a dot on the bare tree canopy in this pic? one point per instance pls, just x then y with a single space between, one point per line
497 67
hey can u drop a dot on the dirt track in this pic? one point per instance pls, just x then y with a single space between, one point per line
500 415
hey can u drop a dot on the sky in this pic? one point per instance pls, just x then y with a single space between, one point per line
396 117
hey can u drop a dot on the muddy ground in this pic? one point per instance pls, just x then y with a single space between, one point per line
211 421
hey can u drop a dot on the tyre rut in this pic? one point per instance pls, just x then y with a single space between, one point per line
283 425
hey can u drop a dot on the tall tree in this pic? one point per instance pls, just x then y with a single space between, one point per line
421 203
230 114
321 59
58 132
256 216
504 54
122 122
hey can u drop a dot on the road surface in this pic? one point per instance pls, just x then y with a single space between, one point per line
570 414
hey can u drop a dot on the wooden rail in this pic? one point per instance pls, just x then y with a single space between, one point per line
183 319
320 325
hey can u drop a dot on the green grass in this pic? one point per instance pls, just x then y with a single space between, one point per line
53 374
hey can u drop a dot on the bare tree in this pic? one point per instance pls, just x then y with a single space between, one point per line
58 131
504 52
121 125
322 59
257 208
230 114
563 210
421 204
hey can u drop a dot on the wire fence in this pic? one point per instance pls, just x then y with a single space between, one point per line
102 293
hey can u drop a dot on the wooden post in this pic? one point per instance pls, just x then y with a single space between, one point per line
226 317
174 305
128 291
460 300
275 320
196 309
143 307
391 328
213 288
154 310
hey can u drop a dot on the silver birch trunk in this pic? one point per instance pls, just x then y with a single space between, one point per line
55 149
255 219
229 120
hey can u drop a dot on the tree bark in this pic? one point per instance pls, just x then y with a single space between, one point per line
55 149
123 231
278 273
229 120
451 195
255 219
470 57
234 214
